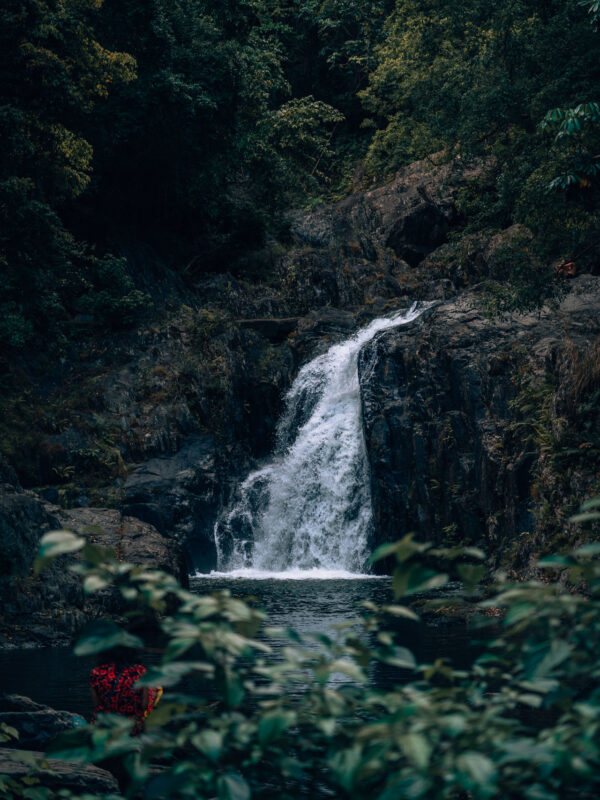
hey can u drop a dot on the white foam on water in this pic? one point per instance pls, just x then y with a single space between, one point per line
308 511
290 575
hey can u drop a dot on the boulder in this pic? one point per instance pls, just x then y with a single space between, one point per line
38 725
133 540
411 214
50 609
22 517
44 609
180 496
419 231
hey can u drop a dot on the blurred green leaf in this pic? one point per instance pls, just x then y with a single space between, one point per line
399 657
470 574
401 611
103 635
210 743
230 685
272 725
416 748
480 769
94 583
414 578
559 651
54 544
170 674
586 516
233 787
592 549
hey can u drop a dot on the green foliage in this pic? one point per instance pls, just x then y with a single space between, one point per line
111 297
54 544
402 141
8 733
209 119
465 71
570 121
477 78
518 282
53 72
202 132
522 722
105 634
559 422
579 124
211 139
563 428
344 35
593 7
298 127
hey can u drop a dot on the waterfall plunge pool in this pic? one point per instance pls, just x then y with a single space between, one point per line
57 678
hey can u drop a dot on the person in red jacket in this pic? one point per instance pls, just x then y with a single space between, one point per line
112 684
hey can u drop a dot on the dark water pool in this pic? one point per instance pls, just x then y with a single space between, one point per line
56 677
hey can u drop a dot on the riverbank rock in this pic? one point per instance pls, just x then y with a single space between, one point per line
37 725
410 215
463 420
50 609
43 610
56 774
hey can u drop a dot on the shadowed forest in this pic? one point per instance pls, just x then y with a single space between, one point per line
186 131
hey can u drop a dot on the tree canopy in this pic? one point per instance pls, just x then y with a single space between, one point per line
494 80
193 126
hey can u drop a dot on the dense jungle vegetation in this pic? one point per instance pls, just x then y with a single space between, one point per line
188 129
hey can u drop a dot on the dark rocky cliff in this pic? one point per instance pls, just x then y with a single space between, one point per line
465 422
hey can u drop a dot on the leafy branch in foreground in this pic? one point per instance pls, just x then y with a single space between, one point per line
236 722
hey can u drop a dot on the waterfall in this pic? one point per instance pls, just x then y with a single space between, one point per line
308 509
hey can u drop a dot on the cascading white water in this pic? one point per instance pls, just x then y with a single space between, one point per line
309 508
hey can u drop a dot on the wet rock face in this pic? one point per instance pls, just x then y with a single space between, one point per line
51 608
137 410
436 399
45 609
419 232
38 725
180 496
22 517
